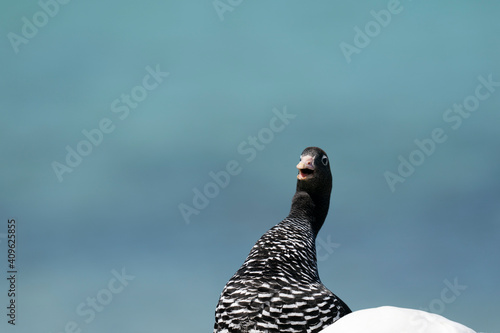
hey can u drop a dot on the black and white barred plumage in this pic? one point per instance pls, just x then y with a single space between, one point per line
277 289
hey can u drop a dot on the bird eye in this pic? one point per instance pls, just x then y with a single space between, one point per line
324 160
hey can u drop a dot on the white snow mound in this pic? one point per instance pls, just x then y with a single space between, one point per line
389 319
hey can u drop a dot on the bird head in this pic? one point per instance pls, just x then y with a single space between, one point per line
314 175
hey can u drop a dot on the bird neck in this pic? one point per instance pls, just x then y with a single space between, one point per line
313 208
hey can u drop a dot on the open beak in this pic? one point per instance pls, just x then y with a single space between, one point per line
306 167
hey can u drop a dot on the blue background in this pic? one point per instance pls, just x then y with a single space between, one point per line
119 208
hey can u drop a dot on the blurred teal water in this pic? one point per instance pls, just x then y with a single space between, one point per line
118 208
